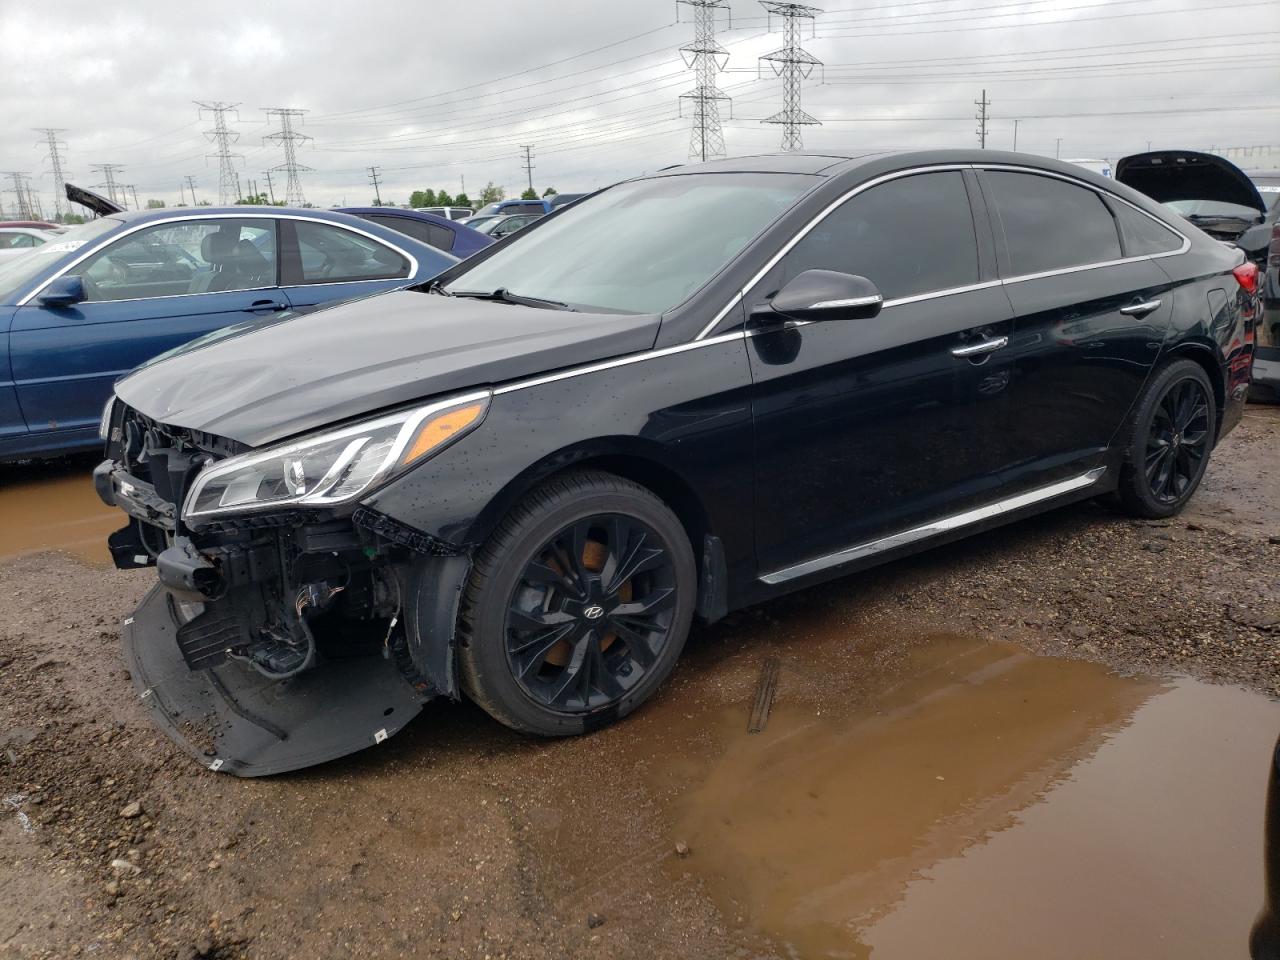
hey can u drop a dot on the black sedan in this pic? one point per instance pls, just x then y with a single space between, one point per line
679 396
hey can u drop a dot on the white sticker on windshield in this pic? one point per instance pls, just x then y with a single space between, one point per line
65 246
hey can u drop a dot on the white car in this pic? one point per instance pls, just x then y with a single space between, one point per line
15 241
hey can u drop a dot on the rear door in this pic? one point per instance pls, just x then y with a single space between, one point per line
323 263
1093 307
11 423
146 292
869 427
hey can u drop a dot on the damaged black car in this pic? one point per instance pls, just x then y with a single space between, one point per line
524 480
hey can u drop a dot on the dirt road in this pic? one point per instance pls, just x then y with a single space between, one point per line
1007 745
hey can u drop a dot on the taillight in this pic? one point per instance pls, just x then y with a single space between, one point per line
1247 276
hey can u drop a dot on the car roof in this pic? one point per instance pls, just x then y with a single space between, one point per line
398 212
29 225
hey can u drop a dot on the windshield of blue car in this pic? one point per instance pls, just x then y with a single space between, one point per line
19 274
640 247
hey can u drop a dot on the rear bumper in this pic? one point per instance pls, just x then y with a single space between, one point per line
236 721
1266 367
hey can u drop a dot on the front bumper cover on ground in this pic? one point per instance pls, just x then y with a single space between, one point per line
235 721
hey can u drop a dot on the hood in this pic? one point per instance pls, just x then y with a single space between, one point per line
87 198
1171 175
263 382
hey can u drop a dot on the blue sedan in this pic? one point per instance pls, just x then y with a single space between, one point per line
440 232
90 305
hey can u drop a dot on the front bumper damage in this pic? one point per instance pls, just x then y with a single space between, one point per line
274 643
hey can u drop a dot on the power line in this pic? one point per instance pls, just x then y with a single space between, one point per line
793 63
706 58
55 146
109 171
289 138
981 117
528 163
222 136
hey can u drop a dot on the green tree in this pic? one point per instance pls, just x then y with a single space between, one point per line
154 204
530 194
443 199
72 218
422 198
462 200
253 200
549 192
491 194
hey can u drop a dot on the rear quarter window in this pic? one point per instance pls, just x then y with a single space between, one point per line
1143 235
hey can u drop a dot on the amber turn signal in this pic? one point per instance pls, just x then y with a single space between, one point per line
440 429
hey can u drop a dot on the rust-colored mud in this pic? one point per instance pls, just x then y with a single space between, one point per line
995 805
53 507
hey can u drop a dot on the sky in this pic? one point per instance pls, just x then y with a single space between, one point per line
433 94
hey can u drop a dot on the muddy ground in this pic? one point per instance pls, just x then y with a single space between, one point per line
923 770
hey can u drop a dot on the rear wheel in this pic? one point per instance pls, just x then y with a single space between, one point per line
577 607
1172 435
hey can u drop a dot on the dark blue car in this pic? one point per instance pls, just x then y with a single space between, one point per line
89 306
442 233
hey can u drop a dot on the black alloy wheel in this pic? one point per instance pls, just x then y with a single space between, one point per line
577 606
1171 437
1178 441
591 613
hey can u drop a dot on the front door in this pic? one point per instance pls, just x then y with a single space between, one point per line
868 427
1091 316
146 293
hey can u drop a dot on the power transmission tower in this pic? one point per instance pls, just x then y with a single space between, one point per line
373 179
289 138
55 164
271 191
981 117
22 191
793 63
706 58
109 171
191 183
222 137
528 163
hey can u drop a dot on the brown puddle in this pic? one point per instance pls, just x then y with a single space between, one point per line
52 506
996 804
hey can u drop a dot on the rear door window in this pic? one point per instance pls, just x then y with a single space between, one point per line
423 230
1050 224
327 253
908 236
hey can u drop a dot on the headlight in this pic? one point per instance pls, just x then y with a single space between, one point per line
333 467
104 425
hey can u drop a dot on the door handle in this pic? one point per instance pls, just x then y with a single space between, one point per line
1141 309
260 306
978 349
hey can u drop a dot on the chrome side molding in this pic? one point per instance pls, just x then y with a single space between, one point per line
935 528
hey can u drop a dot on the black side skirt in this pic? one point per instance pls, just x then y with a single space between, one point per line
235 721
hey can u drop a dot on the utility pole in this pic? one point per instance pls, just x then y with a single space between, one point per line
55 164
271 191
464 183
222 137
528 163
134 190
981 117
109 171
1015 136
22 192
289 138
1057 149
706 58
191 182
793 63
373 179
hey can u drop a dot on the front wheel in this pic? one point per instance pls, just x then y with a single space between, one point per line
1172 435
577 607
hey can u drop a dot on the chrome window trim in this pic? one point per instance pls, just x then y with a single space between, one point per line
618 362
413 261
926 531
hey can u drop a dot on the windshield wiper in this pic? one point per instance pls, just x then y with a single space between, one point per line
503 295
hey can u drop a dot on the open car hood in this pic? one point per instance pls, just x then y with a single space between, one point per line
87 198
1169 175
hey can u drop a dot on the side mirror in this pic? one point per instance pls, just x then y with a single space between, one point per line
827 295
63 292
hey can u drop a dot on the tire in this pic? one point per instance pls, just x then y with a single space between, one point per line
1170 438
531 613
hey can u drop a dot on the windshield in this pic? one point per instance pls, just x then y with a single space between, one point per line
1192 209
1269 188
639 247
19 274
